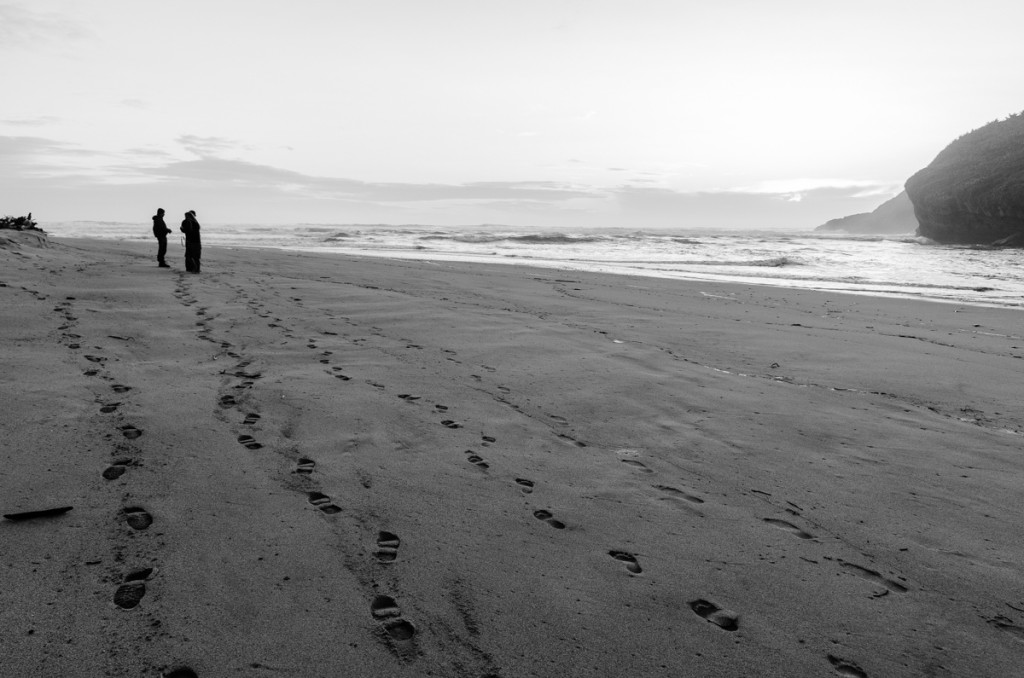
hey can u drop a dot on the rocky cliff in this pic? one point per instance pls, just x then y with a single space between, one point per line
892 216
973 192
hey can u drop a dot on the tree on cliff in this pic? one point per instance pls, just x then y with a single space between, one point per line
19 223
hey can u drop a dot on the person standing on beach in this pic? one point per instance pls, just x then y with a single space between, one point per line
193 245
160 231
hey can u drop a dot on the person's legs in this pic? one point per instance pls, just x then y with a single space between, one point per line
191 257
161 252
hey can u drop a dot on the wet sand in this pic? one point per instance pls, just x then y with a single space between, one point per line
310 465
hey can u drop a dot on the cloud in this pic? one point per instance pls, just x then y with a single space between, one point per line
32 153
37 121
209 169
795 190
128 180
206 147
21 26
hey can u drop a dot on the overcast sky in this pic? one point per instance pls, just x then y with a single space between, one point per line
631 113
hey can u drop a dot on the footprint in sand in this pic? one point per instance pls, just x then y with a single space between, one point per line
95 359
441 408
228 401
110 407
120 388
873 576
130 432
387 546
724 619
251 419
846 668
789 527
1007 625
525 485
249 442
304 466
676 492
629 559
451 424
130 593
489 439
323 502
637 464
548 518
384 609
408 397
114 471
181 672
474 458
137 518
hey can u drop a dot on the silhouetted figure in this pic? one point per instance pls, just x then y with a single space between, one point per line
160 232
193 245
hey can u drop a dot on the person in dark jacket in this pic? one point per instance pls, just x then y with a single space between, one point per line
160 232
193 245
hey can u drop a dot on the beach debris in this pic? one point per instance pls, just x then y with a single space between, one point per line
39 513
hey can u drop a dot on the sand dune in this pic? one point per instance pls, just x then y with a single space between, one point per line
307 465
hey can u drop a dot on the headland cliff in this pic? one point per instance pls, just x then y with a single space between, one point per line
973 192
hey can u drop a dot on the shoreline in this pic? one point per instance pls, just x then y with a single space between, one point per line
418 467
864 269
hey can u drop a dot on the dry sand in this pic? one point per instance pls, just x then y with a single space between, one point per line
309 465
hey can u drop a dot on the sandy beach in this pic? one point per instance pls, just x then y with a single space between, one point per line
311 465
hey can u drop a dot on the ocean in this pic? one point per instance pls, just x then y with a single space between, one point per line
900 266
